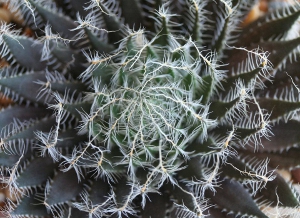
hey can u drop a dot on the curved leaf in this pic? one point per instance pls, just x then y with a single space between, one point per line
234 198
279 190
20 46
33 175
64 187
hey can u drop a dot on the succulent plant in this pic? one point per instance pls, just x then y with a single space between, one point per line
149 108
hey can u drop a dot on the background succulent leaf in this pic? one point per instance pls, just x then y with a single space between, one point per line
274 25
282 194
30 205
18 48
21 113
63 181
229 190
13 86
32 175
63 27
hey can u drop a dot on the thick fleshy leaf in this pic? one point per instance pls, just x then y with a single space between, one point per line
279 190
131 11
216 213
63 27
244 133
99 196
278 52
69 139
23 86
71 86
204 148
283 80
21 113
103 73
19 47
245 77
77 6
66 58
206 91
23 133
97 43
273 28
233 197
193 25
29 205
75 213
219 108
193 169
9 160
112 21
33 175
64 187
234 169
285 135
278 108
156 206
75 108
282 159
182 198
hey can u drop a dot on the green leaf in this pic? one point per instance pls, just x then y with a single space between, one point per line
267 27
156 206
75 213
203 148
278 52
234 167
132 12
59 22
103 73
163 33
122 191
245 77
234 198
181 197
29 205
66 58
36 172
23 86
77 6
282 159
9 160
283 79
103 189
21 113
279 190
112 21
206 89
97 43
215 213
278 108
69 139
64 187
193 169
193 25
22 132
77 107
219 109
243 132
19 47
285 135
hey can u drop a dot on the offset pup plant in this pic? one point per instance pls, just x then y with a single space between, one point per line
149 108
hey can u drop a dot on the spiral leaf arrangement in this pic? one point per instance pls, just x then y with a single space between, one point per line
149 108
